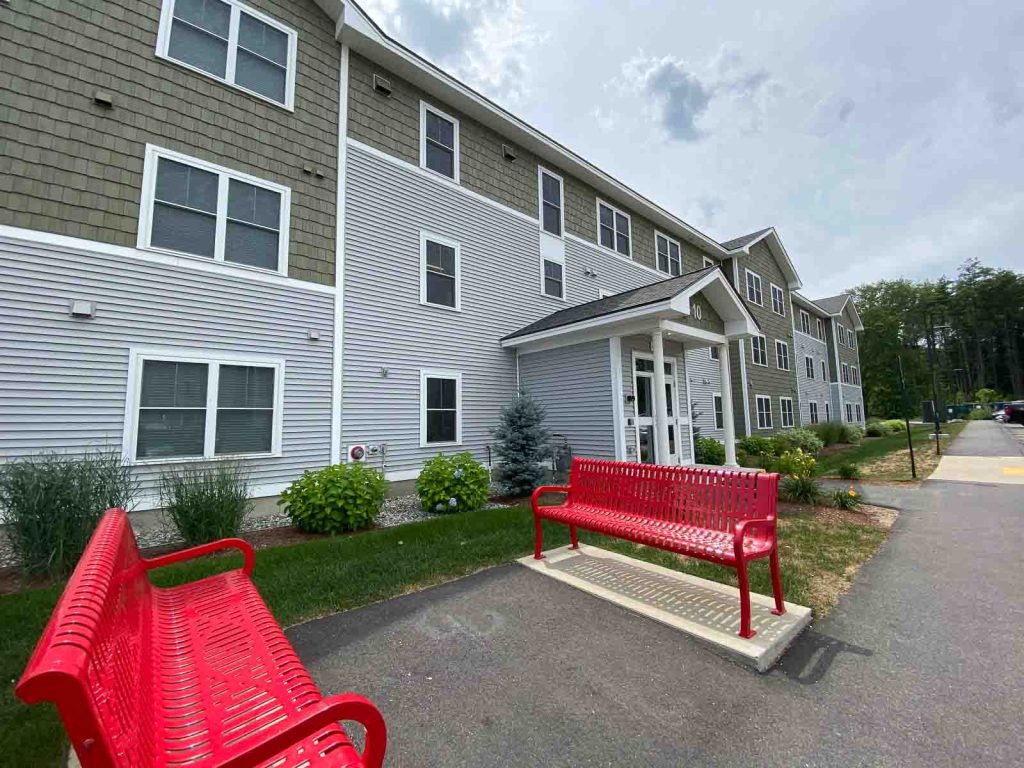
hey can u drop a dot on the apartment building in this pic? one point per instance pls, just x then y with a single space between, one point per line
266 232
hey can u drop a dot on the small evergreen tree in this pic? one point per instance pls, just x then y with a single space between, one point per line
521 443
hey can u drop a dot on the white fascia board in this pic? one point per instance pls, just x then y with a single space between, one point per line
793 281
650 311
691 333
725 301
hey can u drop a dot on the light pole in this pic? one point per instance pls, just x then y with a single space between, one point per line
932 328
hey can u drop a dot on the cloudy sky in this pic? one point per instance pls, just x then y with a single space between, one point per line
882 139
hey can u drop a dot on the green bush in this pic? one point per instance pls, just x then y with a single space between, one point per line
453 484
877 429
804 439
800 490
895 425
206 503
830 432
710 451
796 463
849 471
53 502
980 414
848 499
339 498
755 445
854 433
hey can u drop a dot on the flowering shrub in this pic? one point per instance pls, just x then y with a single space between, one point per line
756 446
848 499
343 497
798 437
795 463
453 484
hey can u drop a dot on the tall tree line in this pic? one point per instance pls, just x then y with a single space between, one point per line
976 326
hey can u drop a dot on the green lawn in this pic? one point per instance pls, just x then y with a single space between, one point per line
303 581
887 458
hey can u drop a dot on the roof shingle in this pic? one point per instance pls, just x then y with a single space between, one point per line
740 242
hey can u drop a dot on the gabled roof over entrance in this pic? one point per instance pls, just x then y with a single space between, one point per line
652 302
835 305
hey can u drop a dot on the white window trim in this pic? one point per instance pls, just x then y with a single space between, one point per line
784 345
597 210
772 288
821 329
828 412
714 413
224 175
809 365
163 42
764 347
424 106
138 356
849 413
437 373
824 371
844 370
746 286
757 412
668 239
782 413
841 334
805 314
541 171
554 260
813 417
440 239
711 353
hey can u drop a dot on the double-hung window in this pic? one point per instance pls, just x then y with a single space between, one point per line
714 353
841 333
231 42
439 142
613 229
782 355
440 271
813 411
716 403
764 412
759 350
809 366
855 375
200 406
440 408
754 294
860 413
552 218
193 207
824 371
821 329
845 371
849 412
805 322
786 408
553 278
851 339
669 256
778 300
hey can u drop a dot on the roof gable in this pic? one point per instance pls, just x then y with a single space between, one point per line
741 245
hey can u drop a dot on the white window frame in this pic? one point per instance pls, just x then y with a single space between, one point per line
224 175
805 322
821 329
812 412
773 288
824 371
844 369
782 413
828 411
712 350
841 334
669 241
424 107
764 348
441 240
163 42
554 259
859 412
716 410
541 171
758 399
615 229
809 367
851 336
854 375
849 413
137 356
779 346
758 290
438 373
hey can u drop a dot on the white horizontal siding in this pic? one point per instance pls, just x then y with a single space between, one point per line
815 390
705 377
673 351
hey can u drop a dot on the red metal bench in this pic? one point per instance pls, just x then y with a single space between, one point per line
724 516
194 676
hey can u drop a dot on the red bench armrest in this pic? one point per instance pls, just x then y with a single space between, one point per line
205 549
344 706
535 498
753 522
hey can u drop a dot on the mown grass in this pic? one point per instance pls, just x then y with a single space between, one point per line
303 581
889 454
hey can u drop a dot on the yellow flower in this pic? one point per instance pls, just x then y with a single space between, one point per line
853 493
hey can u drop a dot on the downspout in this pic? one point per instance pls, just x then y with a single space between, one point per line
339 262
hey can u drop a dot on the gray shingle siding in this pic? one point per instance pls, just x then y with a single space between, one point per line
71 167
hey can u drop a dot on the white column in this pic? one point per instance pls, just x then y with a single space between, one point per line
728 423
660 403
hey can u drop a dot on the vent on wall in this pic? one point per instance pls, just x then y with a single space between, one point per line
382 85
509 153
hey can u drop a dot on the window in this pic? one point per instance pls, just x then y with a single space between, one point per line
552 218
854 375
670 260
841 333
716 406
782 355
764 412
714 353
845 370
440 408
805 322
439 142
851 339
849 412
813 409
828 412
809 366
759 350
233 43
754 288
193 207
786 408
860 413
553 281
824 371
613 229
778 300
196 406
821 329
440 272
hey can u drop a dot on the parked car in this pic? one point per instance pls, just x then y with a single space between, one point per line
1014 412
999 414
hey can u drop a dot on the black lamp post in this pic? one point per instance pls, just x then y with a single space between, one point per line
932 328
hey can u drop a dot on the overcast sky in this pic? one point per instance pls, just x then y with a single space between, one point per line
882 139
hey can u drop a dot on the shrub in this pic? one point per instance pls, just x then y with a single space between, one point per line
854 433
756 445
53 502
980 414
521 443
335 499
206 503
895 425
800 490
710 451
830 432
876 429
795 463
849 471
453 484
801 438
848 499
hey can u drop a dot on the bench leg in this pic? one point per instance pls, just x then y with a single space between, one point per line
780 607
741 570
572 537
538 546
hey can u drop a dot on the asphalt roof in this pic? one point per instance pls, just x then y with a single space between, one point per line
638 297
833 304
739 242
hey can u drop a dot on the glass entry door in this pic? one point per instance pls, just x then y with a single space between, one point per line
643 403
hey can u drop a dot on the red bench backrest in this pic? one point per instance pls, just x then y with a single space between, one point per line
706 498
91 660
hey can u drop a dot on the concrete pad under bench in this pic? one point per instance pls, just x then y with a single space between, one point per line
705 610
